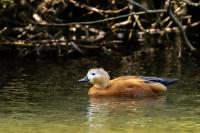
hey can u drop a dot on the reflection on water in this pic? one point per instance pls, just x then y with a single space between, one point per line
120 114
44 97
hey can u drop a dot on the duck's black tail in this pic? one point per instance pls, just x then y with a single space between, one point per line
164 81
170 81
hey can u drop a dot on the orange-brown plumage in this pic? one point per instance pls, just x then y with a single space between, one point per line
134 86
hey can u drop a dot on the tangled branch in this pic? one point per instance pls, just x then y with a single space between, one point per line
90 25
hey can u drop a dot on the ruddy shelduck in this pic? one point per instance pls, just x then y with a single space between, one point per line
134 86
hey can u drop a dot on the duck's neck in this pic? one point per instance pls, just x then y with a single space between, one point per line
102 84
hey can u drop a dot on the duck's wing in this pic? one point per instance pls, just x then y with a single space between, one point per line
164 81
143 84
131 86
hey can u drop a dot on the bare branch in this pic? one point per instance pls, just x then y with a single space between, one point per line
178 23
82 5
192 3
147 10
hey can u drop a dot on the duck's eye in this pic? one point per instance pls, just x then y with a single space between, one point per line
93 74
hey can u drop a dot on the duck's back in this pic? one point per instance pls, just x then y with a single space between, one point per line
129 86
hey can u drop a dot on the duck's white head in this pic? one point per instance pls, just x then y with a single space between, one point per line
98 76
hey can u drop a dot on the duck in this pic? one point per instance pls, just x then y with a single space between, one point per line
134 86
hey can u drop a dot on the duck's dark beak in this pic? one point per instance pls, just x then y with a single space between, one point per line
85 79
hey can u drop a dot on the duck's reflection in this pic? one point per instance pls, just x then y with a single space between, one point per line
114 113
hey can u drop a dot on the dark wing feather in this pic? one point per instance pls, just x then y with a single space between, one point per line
164 81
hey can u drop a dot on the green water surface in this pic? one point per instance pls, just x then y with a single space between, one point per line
45 97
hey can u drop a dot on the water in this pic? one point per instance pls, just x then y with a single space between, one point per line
45 97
